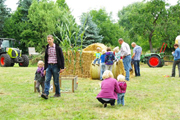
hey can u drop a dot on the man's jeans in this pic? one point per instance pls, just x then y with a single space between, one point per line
109 67
52 70
127 65
120 99
177 62
136 67
103 68
97 59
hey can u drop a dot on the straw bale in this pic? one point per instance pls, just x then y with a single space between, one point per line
132 73
93 47
83 66
95 71
117 69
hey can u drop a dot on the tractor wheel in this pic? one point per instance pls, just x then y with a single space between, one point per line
154 61
26 61
12 64
5 60
162 63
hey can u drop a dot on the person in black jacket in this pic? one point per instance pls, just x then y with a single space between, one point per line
54 65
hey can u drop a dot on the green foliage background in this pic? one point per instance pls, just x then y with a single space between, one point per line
148 23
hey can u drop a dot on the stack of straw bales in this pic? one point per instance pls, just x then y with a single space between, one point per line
82 66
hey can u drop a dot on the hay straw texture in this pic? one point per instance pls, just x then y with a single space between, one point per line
82 66
95 71
93 47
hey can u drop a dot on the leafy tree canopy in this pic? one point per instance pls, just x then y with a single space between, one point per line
147 22
108 29
4 14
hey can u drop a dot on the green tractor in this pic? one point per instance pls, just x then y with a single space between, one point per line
10 55
154 59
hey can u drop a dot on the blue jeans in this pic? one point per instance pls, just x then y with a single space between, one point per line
97 59
52 70
120 99
109 67
103 68
127 65
136 67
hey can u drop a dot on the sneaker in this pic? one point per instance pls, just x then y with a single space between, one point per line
93 64
105 105
56 95
172 76
97 64
39 94
44 96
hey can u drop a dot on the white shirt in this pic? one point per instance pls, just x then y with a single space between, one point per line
125 49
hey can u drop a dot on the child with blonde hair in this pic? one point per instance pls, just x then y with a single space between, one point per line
98 55
117 54
122 85
39 76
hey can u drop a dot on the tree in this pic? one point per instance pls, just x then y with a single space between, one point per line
34 20
17 24
145 21
24 6
91 34
4 14
45 15
67 25
172 23
108 29
62 3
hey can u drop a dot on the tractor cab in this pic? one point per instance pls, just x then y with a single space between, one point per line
6 43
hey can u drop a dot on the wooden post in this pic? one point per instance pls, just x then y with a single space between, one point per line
60 81
69 77
54 88
73 85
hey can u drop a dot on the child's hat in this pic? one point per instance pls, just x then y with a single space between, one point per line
98 48
103 51
116 48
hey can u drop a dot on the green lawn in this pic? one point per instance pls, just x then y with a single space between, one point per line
149 97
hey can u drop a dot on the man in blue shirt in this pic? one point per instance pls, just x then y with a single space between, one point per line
126 56
176 55
137 51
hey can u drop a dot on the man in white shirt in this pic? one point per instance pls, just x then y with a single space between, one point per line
126 56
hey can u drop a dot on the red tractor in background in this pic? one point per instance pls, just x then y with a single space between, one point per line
154 59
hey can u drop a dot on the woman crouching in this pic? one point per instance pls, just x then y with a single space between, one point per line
109 89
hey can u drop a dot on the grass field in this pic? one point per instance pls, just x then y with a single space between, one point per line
149 97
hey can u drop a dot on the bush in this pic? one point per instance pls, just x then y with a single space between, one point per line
35 58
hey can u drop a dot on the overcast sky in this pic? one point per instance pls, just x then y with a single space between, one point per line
79 6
